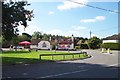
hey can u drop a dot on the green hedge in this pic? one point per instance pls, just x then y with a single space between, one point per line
113 46
77 47
82 46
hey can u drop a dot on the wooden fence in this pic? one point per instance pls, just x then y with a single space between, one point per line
84 54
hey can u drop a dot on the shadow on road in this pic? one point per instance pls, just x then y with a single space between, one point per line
16 61
53 69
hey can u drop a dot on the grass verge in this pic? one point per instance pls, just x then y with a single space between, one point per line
20 57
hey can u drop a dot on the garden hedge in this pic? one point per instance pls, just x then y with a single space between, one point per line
77 47
113 46
82 46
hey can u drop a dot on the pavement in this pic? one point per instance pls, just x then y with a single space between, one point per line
100 65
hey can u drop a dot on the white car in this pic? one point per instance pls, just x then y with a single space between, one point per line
18 47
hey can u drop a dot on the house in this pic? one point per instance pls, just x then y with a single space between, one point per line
40 44
112 42
112 39
83 44
66 43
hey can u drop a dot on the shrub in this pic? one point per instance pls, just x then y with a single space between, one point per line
84 46
113 46
94 42
77 47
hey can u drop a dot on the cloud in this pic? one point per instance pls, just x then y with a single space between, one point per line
30 29
73 31
60 0
50 12
78 27
97 18
88 20
77 30
64 33
55 32
96 35
77 33
69 5
100 18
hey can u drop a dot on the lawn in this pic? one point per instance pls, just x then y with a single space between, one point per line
18 57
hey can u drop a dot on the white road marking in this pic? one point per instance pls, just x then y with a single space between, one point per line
63 74
114 65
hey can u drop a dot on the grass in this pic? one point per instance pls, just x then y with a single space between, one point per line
18 57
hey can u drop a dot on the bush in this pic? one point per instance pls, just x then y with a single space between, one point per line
84 46
113 46
77 47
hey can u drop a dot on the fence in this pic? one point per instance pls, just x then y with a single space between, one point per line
84 54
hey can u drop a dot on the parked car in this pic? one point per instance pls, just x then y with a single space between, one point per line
18 47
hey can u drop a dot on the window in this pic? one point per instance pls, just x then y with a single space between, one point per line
44 44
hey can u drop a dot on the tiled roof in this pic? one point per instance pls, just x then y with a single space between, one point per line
59 41
35 41
113 37
79 42
65 41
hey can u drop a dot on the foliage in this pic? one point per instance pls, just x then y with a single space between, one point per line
5 43
37 35
26 34
13 15
94 42
15 40
84 46
20 38
76 39
45 37
77 47
114 46
1 39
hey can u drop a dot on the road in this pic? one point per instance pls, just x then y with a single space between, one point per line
100 65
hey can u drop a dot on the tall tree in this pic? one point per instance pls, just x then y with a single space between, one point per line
13 15
28 35
45 37
94 42
20 38
37 35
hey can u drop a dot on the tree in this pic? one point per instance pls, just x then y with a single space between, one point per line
20 38
45 37
13 15
0 39
37 35
28 35
94 42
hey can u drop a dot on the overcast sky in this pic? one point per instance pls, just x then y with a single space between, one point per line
67 18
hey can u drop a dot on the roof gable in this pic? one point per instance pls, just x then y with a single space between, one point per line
35 41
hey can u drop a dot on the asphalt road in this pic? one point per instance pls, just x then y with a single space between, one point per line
100 65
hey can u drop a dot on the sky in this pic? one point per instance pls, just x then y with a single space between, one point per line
67 18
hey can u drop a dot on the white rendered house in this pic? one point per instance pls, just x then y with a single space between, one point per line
38 44
111 41
66 43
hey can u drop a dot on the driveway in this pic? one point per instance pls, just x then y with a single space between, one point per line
100 65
